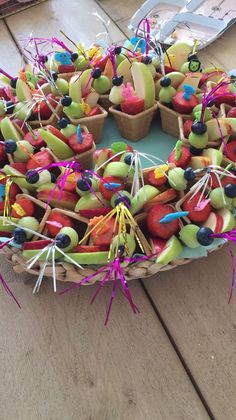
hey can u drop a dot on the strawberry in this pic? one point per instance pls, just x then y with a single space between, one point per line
19 166
103 234
230 151
161 230
66 68
187 128
86 249
196 215
109 190
155 182
39 159
40 244
86 144
71 181
65 199
224 181
95 111
157 245
184 159
132 106
62 219
53 130
36 140
42 108
90 213
182 105
3 156
23 207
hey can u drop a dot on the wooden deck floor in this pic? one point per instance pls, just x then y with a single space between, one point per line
175 361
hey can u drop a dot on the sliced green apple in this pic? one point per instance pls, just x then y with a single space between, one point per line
145 194
143 84
228 219
57 146
75 89
83 258
23 92
214 155
172 250
9 131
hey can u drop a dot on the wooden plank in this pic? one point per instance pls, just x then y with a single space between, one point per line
122 9
60 362
76 20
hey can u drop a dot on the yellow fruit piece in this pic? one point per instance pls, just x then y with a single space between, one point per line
160 171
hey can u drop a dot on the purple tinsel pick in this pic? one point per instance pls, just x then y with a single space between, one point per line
112 272
8 290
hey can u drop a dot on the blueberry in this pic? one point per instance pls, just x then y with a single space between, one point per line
9 107
43 58
128 159
117 81
53 178
147 60
10 146
13 82
63 122
189 174
211 103
199 128
204 236
63 240
19 235
32 177
165 82
194 151
83 185
121 250
55 76
122 199
66 101
117 50
230 190
96 73
74 57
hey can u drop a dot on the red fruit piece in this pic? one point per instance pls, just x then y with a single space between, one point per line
230 150
90 213
157 245
85 249
95 111
155 182
3 94
132 106
3 156
65 199
71 181
103 234
23 207
42 108
224 181
63 68
187 128
53 130
232 113
182 105
36 244
87 143
35 140
161 230
62 219
107 189
224 96
183 160
39 159
191 205
20 167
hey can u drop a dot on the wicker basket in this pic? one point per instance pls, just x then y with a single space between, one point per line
181 120
94 124
133 127
51 121
170 120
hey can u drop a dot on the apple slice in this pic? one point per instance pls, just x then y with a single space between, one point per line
57 146
21 182
97 258
75 90
214 155
215 222
143 83
124 69
23 92
4 227
145 194
9 131
172 250
228 219
86 81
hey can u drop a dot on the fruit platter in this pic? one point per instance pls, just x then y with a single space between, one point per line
116 162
